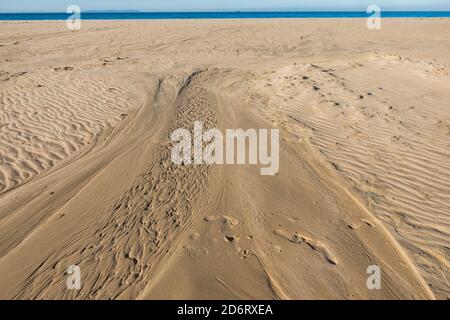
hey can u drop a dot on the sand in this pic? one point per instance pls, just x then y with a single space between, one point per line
86 176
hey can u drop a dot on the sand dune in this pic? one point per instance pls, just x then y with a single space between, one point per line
86 177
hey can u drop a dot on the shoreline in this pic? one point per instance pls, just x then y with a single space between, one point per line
226 15
235 19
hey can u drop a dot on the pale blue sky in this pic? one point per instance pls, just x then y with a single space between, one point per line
219 5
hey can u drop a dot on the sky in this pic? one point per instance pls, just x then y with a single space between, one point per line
219 5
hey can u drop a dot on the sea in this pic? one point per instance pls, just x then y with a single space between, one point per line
222 15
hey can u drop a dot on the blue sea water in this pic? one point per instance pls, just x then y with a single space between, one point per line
221 15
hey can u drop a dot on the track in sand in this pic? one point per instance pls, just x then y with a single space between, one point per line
139 226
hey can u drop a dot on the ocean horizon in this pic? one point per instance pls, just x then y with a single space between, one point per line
138 15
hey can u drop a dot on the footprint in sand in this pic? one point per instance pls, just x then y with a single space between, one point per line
356 226
224 220
314 244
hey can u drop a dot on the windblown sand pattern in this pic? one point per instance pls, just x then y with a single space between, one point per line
390 141
47 117
86 177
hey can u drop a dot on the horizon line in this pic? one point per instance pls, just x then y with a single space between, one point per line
212 11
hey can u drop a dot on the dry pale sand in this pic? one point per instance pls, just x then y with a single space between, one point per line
86 176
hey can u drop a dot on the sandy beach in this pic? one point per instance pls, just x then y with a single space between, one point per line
86 176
